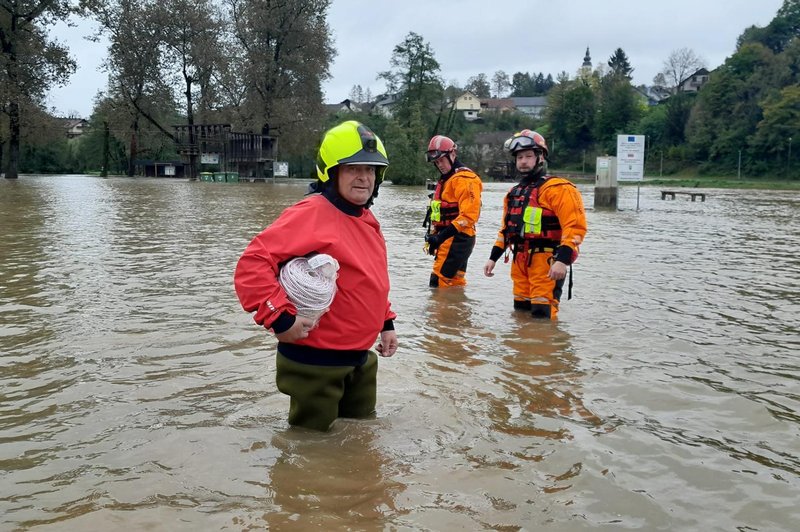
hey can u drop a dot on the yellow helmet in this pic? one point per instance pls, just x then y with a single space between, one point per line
351 142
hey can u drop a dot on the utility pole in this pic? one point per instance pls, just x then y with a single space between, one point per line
789 156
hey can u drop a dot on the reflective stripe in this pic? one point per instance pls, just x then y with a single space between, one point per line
436 210
532 216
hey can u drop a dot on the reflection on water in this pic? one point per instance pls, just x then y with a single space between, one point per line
135 393
319 481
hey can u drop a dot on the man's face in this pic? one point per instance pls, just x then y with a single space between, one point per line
526 160
356 182
444 164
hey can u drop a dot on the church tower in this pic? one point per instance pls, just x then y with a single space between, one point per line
586 67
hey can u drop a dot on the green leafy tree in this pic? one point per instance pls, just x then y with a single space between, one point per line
479 86
571 113
525 84
415 76
282 54
780 32
405 146
139 97
619 64
30 62
728 107
522 84
781 122
678 110
618 106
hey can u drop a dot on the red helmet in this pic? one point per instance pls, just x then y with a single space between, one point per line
526 140
439 146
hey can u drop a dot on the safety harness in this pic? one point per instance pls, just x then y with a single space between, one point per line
529 227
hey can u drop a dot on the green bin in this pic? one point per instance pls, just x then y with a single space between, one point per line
219 177
206 176
233 177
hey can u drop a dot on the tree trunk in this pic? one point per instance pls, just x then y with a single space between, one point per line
134 148
193 148
104 170
12 170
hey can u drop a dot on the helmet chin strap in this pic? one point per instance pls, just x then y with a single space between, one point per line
453 165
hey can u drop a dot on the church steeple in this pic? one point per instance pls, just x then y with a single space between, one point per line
587 60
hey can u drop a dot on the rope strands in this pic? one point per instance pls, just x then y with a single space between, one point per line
310 283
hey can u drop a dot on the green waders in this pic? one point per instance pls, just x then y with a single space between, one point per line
320 394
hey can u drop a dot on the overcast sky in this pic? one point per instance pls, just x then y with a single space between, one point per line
470 37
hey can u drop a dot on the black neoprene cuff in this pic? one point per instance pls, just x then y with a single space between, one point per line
496 253
388 325
564 254
447 232
284 322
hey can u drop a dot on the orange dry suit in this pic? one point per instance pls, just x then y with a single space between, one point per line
543 221
452 214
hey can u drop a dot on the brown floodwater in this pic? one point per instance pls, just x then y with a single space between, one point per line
136 394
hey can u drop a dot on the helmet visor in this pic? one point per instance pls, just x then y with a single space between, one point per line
522 143
435 154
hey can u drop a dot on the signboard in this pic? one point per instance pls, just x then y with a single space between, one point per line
280 169
169 170
630 157
209 158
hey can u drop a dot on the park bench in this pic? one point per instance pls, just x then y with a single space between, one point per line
693 195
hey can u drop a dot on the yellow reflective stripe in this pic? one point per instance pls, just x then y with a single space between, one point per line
436 210
532 218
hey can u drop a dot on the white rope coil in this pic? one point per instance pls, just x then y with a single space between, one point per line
310 284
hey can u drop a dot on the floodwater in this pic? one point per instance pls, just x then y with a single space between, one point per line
136 394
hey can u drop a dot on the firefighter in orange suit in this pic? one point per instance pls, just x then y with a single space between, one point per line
452 214
544 223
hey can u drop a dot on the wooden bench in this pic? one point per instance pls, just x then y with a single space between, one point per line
693 195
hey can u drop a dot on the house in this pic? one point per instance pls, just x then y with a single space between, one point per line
74 126
384 104
469 104
652 95
694 82
345 106
498 105
533 106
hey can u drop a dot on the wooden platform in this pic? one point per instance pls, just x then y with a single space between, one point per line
693 195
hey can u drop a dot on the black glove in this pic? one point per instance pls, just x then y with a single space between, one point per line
434 241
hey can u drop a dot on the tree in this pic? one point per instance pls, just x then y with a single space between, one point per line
356 94
500 84
415 76
779 32
522 85
284 53
30 63
188 34
479 86
619 64
137 86
677 67
781 121
571 112
617 109
728 107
